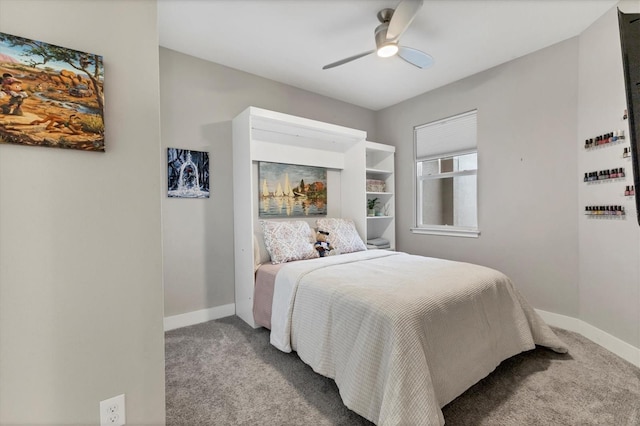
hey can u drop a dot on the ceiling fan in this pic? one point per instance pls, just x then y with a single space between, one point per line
387 35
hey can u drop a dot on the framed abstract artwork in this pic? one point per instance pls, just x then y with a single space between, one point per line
50 95
287 190
188 173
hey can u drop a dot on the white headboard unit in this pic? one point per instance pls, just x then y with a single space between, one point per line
263 135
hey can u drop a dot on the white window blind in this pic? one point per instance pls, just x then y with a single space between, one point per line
453 135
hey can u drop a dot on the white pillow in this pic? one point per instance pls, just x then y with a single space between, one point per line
288 240
343 235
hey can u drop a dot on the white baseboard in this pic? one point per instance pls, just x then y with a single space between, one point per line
196 317
622 349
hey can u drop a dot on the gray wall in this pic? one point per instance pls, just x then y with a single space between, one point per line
527 198
609 250
80 247
198 101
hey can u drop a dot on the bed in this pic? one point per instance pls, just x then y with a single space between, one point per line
401 335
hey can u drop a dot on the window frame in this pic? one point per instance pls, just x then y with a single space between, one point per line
432 229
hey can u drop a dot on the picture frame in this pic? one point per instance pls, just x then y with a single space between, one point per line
187 174
50 95
290 190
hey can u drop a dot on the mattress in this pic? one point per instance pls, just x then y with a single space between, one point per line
263 293
401 335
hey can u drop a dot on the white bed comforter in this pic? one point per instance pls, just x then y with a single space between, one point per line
401 335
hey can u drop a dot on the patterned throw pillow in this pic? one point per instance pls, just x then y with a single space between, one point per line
288 240
343 235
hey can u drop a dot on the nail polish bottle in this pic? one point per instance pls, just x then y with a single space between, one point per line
621 173
621 134
625 153
632 190
614 136
627 191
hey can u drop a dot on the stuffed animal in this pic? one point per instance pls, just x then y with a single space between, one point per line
322 245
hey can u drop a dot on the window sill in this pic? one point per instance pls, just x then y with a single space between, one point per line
449 231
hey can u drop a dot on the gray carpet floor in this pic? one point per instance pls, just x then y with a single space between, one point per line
223 372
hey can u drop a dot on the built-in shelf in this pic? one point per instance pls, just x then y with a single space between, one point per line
380 165
379 172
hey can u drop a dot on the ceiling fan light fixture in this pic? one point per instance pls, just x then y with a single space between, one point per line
393 23
387 50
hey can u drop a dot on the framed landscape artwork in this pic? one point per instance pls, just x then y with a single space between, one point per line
50 95
188 173
287 190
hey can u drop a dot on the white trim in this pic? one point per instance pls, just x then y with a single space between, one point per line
196 317
472 172
447 230
623 349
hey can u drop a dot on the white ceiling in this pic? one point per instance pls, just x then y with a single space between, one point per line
291 40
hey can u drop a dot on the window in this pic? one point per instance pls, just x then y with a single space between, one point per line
446 167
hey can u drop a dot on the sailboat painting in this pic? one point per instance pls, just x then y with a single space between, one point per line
289 190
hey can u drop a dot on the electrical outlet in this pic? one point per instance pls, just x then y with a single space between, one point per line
112 411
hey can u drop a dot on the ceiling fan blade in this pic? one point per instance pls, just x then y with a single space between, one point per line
415 57
349 59
402 18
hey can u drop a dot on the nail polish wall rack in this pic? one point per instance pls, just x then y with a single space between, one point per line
609 174
605 212
607 139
